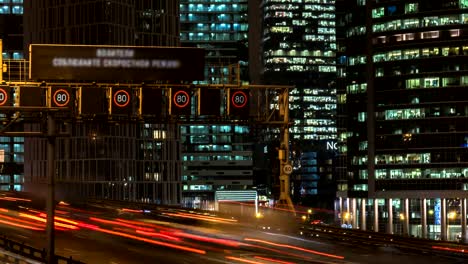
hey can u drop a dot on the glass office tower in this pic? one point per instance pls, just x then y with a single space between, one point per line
103 160
11 148
221 28
299 48
407 117
216 156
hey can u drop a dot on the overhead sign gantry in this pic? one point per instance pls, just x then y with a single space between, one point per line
120 83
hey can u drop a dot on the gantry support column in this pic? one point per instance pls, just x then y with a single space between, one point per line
443 219
390 216
283 154
423 218
50 203
363 214
464 235
376 215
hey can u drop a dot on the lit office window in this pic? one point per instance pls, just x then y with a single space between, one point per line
17 10
4 9
411 8
378 12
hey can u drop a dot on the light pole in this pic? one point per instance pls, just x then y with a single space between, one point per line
402 218
452 215
50 207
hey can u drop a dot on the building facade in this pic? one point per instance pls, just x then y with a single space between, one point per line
120 160
299 48
99 22
407 115
221 28
11 148
218 156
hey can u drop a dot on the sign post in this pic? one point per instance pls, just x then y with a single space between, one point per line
50 203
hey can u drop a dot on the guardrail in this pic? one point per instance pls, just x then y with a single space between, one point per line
23 253
376 238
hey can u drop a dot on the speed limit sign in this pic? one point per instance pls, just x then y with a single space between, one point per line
239 99
287 169
60 96
121 98
4 96
180 101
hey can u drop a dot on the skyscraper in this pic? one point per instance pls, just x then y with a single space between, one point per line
407 116
299 48
221 28
11 148
136 23
119 160
216 156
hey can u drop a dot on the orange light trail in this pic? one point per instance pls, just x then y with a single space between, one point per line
296 248
147 224
274 260
4 210
225 242
121 224
40 219
14 219
243 260
60 219
199 217
13 199
194 250
154 234
20 225
280 252
450 249
131 210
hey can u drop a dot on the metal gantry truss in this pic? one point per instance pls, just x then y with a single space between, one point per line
269 108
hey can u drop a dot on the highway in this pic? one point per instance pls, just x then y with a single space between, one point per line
124 235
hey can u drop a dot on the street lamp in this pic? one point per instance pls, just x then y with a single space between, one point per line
346 217
402 218
452 215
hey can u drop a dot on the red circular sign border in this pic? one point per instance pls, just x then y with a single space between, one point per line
174 97
6 96
115 101
232 99
68 97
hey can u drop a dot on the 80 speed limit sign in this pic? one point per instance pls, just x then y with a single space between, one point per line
3 96
239 99
121 98
181 99
60 96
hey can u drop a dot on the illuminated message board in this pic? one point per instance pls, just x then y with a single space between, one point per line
115 63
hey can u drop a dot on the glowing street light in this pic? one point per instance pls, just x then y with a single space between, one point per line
346 216
452 215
